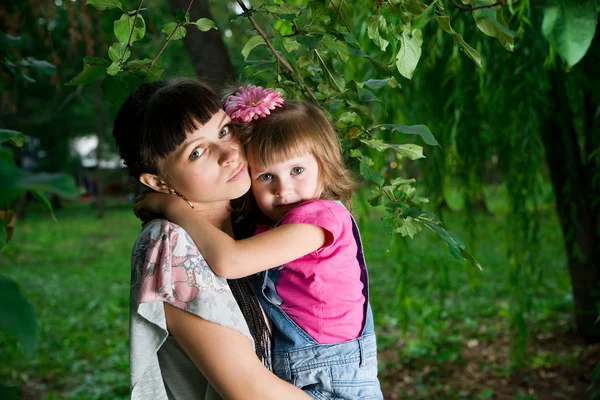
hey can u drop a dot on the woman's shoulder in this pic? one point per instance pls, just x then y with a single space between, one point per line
167 267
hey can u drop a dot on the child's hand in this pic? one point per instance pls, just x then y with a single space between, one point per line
150 205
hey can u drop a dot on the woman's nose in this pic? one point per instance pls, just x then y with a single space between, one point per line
229 154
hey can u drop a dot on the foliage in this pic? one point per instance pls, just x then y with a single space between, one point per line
16 314
308 61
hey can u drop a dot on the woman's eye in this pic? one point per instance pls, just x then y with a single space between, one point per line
224 131
265 177
297 170
196 153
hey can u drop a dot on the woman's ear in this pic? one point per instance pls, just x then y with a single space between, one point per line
155 182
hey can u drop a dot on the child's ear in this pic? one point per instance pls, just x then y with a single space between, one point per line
155 182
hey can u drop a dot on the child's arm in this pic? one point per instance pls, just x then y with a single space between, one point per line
232 258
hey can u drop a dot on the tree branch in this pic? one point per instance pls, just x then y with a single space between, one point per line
340 14
278 56
137 12
168 39
471 9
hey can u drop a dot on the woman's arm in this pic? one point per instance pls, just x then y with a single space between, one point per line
232 258
226 358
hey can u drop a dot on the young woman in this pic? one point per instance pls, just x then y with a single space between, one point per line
313 282
193 335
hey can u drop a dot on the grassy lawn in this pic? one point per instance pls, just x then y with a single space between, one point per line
434 314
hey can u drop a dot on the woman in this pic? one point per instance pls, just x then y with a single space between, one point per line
193 335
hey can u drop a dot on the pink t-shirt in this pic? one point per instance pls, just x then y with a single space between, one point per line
322 291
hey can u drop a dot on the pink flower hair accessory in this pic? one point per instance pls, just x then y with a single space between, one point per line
252 102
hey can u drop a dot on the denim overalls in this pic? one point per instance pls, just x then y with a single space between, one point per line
346 370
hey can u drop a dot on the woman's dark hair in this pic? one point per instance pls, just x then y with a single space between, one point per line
153 122
156 118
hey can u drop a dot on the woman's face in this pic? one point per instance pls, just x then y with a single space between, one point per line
210 165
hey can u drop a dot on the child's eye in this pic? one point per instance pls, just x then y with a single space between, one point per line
297 170
196 153
265 177
224 131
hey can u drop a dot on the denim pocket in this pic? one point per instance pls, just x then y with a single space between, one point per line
349 381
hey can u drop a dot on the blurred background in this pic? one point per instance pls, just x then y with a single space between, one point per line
509 91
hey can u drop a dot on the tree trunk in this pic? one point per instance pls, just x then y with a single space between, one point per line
207 50
576 204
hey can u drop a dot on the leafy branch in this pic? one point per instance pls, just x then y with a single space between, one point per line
183 18
278 56
137 12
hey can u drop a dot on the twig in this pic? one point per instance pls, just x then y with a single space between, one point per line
168 40
340 14
471 9
137 12
274 51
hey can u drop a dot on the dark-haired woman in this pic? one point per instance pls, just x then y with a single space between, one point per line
193 335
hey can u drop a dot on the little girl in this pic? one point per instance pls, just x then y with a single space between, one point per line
312 279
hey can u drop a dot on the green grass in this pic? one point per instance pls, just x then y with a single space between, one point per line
76 274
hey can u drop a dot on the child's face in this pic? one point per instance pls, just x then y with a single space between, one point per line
210 165
280 187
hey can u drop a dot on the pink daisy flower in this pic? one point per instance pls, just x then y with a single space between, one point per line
252 102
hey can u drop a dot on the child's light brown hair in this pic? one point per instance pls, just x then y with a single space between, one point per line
298 128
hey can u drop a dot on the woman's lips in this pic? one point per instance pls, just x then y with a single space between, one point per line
238 174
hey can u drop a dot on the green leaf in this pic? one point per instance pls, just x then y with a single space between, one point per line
408 227
93 68
409 53
251 44
376 144
380 67
403 181
140 68
420 130
205 24
444 23
116 89
116 52
16 182
42 198
124 25
336 48
369 173
16 314
422 20
170 27
40 66
491 22
451 242
113 68
347 117
378 31
104 4
412 151
17 138
376 83
309 42
569 27
329 74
